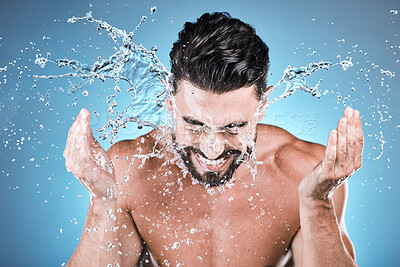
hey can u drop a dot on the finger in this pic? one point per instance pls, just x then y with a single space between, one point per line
359 140
89 141
88 145
328 163
341 143
71 136
74 127
350 137
77 146
76 122
84 135
92 142
84 120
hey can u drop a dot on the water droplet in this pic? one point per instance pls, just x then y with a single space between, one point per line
176 245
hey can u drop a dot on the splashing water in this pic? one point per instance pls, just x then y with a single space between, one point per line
148 77
128 69
295 78
132 63
149 83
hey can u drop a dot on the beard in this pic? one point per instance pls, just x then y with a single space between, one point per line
211 178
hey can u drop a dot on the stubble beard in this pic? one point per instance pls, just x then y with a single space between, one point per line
211 178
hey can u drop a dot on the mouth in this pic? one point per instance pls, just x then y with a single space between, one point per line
211 165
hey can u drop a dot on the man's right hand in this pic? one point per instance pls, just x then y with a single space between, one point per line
87 160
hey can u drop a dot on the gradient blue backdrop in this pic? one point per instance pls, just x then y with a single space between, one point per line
44 208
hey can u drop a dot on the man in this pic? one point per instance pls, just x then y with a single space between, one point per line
193 198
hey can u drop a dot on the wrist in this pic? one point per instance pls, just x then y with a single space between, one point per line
312 204
102 206
314 198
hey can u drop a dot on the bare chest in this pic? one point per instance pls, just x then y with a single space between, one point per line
246 223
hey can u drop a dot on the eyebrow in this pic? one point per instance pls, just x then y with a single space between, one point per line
230 125
193 121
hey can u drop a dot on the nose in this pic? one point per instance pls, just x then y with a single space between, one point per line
212 145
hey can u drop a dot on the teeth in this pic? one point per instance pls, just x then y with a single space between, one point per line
211 162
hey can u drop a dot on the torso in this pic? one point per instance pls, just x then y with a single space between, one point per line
250 222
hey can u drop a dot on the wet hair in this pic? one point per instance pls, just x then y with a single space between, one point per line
219 53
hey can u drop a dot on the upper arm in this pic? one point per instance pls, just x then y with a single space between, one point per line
130 244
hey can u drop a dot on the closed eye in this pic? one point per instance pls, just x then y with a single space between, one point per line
233 128
194 125
235 125
193 121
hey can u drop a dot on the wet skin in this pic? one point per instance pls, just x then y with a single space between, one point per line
244 222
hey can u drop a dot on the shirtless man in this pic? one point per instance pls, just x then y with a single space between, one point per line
196 203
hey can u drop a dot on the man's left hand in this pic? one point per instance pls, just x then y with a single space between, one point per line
343 156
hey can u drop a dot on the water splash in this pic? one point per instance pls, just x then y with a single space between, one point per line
148 78
295 79
13 130
149 83
388 73
140 68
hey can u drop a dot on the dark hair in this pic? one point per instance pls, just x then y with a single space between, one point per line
219 53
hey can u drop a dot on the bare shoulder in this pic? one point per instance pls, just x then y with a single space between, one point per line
131 146
293 156
127 156
129 153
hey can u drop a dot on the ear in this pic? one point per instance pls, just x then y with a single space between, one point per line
169 105
264 105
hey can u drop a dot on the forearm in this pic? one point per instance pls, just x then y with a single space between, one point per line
98 245
322 243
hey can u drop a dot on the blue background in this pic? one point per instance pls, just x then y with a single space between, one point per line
44 207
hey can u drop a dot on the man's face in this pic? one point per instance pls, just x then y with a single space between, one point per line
213 132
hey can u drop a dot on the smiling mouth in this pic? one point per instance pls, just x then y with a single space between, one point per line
211 165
